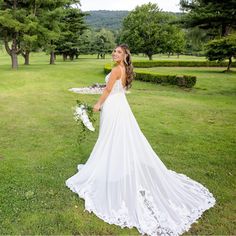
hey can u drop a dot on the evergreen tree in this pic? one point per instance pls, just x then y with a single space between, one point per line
13 25
26 25
219 17
72 29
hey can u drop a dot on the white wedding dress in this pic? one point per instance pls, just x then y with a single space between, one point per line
125 183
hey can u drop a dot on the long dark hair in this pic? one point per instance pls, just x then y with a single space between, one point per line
128 65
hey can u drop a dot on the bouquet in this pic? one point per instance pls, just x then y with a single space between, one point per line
83 115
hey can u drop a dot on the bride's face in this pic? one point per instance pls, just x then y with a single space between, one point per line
118 54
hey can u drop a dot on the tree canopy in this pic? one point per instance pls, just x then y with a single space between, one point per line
218 16
221 49
148 30
26 25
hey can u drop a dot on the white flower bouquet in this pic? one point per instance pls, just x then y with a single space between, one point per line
83 115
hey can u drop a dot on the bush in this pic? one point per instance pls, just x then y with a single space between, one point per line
180 80
146 64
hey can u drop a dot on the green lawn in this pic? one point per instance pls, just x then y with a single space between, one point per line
192 131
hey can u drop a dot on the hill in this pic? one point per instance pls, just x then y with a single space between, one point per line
105 19
111 20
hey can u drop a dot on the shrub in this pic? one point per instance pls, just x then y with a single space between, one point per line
180 80
146 64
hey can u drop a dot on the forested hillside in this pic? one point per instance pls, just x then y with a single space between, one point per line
108 19
105 19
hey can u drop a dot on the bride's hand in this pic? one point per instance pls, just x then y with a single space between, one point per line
96 107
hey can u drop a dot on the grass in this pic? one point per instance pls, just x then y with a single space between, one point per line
192 131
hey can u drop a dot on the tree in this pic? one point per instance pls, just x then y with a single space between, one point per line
86 42
218 16
221 49
174 40
104 43
195 38
12 26
50 29
29 24
148 30
72 29
29 41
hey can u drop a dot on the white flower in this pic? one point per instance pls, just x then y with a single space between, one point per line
80 114
79 110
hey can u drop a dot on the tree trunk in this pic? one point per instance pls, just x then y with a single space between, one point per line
52 58
13 53
14 60
64 56
229 64
71 57
26 57
149 56
225 30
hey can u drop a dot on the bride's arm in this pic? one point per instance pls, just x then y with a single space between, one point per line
115 73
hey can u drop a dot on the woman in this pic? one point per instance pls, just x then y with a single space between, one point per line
124 182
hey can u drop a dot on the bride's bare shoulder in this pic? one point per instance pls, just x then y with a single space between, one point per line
116 72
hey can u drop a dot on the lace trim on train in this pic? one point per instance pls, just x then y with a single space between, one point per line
154 222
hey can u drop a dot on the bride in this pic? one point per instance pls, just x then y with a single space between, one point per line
123 181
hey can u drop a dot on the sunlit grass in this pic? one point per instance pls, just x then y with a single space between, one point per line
192 131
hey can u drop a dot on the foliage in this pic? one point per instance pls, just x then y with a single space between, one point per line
86 41
219 17
195 40
72 28
100 43
221 49
111 20
177 63
31 25
175 40
179 80
14 23
104 42
83 130
148 30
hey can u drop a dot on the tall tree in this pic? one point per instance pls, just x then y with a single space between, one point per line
103 43
147 30
26 23
12 26
216 15
29 40
85 43
195 40
72 29
174 40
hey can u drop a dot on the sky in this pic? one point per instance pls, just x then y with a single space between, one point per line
165 5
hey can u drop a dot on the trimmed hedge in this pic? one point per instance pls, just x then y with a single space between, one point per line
180 80
146 64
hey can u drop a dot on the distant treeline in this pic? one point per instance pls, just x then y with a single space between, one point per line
111 20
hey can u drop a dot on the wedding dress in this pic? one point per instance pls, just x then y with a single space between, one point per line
125 183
